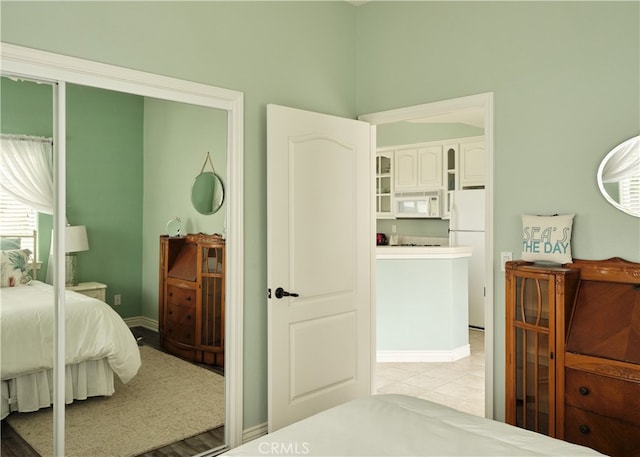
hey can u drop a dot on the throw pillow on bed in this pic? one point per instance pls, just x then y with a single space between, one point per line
547 238
14 267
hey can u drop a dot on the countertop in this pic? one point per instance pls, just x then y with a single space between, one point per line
422 252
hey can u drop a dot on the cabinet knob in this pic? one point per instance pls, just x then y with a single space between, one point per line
188 297
170 294
584 429
188 316
583 390
170 312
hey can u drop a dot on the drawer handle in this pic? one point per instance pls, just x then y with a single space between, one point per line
583 390
584 429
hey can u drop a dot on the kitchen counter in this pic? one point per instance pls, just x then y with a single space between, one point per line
423 252
422 303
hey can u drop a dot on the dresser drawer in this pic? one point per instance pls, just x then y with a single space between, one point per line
183 315
181 296
603 395
180 333
604 434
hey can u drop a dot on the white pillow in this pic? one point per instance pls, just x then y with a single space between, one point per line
14 267
547 238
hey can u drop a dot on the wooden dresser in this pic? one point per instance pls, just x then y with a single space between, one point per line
191 308
602 359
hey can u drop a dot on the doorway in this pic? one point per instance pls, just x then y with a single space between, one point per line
471 109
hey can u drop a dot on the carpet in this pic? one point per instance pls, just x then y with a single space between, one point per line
168 400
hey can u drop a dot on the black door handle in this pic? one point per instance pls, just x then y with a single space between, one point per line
280 292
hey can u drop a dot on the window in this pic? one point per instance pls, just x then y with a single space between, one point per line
630 194
16 220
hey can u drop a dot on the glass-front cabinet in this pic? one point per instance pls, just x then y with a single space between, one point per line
538 300
211 308
384 184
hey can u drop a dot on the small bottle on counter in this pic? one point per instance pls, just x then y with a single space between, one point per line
393 239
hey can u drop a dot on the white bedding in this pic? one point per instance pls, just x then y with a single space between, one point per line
93 331
397 425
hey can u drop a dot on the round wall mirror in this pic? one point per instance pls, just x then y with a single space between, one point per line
619 176
207 193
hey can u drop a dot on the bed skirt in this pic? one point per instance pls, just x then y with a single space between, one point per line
30 392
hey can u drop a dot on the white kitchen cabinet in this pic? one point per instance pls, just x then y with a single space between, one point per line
418 168
384 185
472 164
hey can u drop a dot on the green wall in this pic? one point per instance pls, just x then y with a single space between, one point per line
104 188
565 77
104 178
566 82
300 54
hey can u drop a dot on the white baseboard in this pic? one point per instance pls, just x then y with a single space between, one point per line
254 432
424 356
142 321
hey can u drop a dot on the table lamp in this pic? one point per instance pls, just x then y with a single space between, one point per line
75 241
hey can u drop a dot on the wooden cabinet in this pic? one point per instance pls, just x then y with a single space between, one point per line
418 168
192 297
384 185
602 359
538 305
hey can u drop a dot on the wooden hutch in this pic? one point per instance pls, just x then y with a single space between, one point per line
573 352
191 305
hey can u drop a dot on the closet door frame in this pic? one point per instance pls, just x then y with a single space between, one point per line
19 61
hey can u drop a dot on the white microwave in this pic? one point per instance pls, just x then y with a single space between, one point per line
417 204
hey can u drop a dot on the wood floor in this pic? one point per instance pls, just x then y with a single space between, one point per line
14 446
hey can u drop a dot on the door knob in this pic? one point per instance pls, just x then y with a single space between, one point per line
280 292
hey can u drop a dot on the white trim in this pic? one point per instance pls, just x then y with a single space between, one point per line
424 356
142 321
483 101
40 65
254 432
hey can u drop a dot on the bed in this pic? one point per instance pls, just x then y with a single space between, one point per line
398 425
99 344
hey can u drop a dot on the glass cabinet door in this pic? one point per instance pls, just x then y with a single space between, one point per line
212 307
533 363
384 184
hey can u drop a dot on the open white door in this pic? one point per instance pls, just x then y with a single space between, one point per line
320 243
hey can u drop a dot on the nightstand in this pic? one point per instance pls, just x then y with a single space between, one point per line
91 289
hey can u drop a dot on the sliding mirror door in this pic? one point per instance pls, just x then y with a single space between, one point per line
135 143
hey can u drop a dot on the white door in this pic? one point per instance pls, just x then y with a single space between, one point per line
320 242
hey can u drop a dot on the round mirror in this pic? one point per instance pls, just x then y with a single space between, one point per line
619 176
207 193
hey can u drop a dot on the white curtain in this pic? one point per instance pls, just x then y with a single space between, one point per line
624 162
26 170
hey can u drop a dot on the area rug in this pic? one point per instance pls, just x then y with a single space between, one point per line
168 400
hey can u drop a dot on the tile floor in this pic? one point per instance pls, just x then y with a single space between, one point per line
458 384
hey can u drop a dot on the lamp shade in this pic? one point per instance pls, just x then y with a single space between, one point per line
76 238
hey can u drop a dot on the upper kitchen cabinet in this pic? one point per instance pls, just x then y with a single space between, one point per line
463 167
384 185
418 168
472 164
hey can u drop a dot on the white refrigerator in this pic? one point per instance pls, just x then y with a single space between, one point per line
467 228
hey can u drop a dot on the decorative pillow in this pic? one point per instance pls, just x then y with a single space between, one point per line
14 267
547 238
